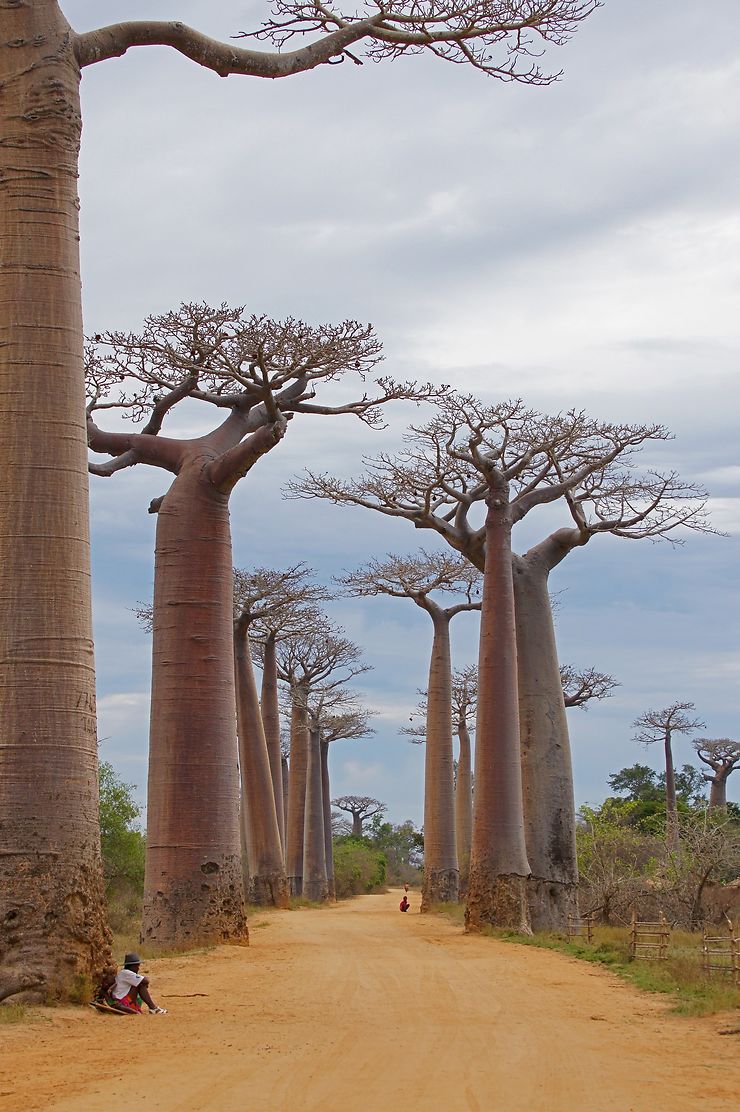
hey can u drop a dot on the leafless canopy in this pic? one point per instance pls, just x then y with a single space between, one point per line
580 687
503 38
277 603
338 715
448 466
259 370
321 659
361 807
721 754
660 725
417 577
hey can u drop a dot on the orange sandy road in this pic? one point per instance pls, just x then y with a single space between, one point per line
358 1007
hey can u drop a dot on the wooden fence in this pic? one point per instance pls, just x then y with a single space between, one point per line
649 940
580 926
720 953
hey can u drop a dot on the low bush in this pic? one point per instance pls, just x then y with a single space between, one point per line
358 868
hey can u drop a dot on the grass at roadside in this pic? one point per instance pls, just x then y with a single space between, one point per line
680 976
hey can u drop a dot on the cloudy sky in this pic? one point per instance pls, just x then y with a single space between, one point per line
576 245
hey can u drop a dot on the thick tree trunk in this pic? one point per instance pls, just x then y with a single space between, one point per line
441 876
497 888
297 794
328 840
286 789
245 833
356 825
193 890
54 938
718 792
463 805
271 723
547 774
671 806
315 883
268 884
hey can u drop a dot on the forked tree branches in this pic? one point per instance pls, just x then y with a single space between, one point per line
581 686
503 38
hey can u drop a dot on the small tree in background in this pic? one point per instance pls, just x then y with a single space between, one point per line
661 726
123 847
580 687
723 756
361 808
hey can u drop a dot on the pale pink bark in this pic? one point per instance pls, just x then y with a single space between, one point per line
286 789
315 883
547 777
498 864
271 722
297 793
193 886
268 884
328 840
53 930
463 804
441 877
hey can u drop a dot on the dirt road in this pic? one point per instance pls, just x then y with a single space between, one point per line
358 1007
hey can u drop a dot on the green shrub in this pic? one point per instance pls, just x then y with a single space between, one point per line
358 867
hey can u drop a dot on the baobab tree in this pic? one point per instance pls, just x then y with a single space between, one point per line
259 372
588 465
723 756
661 726
418 577
272 604
581 686
464 705
47 683
333 715
324 659
361 808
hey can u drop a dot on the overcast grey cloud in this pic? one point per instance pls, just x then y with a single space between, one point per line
578 245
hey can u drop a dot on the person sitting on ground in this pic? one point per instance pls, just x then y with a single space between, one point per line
404 904
131 988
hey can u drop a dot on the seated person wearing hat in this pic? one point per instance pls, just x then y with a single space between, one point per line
131 988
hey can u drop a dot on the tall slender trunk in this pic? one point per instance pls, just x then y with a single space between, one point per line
547 774
268 884
718 792
271 723
53 932
441 876
463 804
315 884
245 834
193 888
328 840
671 806
286 789
497 888
297 794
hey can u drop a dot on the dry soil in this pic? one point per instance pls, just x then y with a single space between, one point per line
358 1007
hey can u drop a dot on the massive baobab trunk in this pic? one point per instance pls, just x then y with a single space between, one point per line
268 884
315 884
328 840
53 932
547 776
297 793
463 804
497 888
441 876
271 723
193 886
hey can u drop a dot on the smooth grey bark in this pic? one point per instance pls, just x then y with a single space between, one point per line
547 776
285 771
315 883
328 840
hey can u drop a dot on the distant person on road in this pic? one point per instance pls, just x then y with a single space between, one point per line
131 989
405 887
404 904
